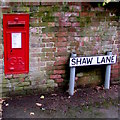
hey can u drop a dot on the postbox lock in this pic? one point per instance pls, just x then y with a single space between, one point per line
16 19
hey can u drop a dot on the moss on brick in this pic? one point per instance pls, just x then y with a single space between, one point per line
5 90
42 24
18 93
50 29
48 18
65 8
18 88
5 81
23 84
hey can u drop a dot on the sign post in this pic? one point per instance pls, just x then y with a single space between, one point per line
72 77
87 61
107 74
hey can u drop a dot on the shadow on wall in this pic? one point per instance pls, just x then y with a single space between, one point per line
90 76
65 84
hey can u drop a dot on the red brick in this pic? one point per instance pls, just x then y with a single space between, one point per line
114 76
51 24
1 56
74 34
73 19
61 67
22 79
44 35
48 3
68 14
61 58
78 38
49 68
57 14
75 24
62 34
118 46
74 3
59 80
49 40
62 29
49 44
66 24
61 44
32 3
84 14
6 9
50 34
8 76
37 54
81 43
33 19
71 29
59 54
63 19
60 63
16 76
75 8
116 66
59 71
115 71
50 54
42 45
62 39
48 49
92 14
61 49
55 76
49 58
41 64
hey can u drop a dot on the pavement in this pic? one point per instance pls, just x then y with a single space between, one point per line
85 103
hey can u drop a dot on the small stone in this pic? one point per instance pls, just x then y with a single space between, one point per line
38 104
54 94
42 97
43 109
69 97
79 75
6 104
32 113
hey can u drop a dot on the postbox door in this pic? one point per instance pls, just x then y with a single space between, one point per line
16 52
16 45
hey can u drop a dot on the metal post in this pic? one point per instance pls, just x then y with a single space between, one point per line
107 74
72 77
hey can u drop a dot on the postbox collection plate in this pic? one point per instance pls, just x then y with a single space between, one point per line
16 43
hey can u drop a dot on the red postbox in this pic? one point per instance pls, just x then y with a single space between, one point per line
16 43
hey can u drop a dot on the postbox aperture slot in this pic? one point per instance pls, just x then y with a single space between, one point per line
16 24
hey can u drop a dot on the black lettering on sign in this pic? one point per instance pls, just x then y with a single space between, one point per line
73 61
98 60
108 59
78 61
112 60
89 60
84 61
103 60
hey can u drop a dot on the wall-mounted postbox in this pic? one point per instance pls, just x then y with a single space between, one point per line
16 43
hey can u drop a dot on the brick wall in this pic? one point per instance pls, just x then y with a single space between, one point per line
56 30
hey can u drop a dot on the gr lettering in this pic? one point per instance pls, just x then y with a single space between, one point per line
16 60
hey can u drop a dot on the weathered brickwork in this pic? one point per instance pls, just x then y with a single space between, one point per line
56 30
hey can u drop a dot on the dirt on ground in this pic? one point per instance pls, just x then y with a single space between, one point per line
85 103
